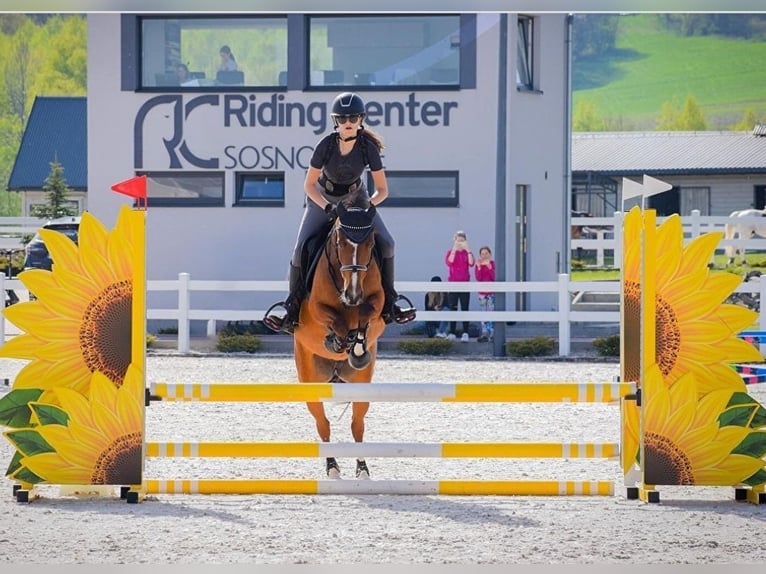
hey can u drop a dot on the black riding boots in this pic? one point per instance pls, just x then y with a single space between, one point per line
292 305
392 311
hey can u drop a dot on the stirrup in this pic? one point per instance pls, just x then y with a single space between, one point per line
405 315
279 324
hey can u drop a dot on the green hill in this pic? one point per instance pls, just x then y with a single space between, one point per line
650 66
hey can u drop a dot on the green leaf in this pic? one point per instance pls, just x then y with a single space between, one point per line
759 418
756 479
29 442
14 407
754 445
15 464
26 475
50 415
736 416
739 398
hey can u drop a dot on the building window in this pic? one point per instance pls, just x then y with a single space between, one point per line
184 189
214 53
266 189
420 188
524 53
404 51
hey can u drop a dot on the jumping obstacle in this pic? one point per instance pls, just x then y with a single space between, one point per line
381 450
507 392
521 392
423 487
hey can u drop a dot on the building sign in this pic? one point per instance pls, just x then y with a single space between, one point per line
261 111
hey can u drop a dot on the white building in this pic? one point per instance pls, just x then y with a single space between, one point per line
226 161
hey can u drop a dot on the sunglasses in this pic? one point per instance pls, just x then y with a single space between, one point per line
353 119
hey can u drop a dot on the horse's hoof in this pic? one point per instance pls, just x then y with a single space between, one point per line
333 344
362 472
333 470
360 362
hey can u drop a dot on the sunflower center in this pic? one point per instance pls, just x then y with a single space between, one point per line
105 332
667 334
668 337
665 463
120 463
632 344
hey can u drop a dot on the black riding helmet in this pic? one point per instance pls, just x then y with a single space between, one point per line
347 104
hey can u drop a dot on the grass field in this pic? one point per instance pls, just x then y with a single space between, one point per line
755 261
651 66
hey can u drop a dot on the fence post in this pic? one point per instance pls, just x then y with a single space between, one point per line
761 315
600 251
183 312
696 223
617 234
565 302
2 315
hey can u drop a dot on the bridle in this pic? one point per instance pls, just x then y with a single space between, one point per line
364 232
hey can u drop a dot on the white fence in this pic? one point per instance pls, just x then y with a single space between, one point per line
608 231
563 314
18 226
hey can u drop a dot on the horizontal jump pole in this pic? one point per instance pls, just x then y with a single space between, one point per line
372 449
422 487
517 392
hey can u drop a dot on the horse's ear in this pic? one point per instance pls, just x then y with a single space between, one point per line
372 210
341 208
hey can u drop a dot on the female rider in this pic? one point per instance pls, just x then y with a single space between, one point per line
335 173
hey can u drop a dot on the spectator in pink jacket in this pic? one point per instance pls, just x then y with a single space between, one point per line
459 260
485 271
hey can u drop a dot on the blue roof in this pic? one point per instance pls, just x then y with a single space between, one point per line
57 130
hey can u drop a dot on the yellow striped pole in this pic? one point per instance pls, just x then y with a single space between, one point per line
517 392
443 487
372 449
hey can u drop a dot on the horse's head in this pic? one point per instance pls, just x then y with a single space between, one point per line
354 242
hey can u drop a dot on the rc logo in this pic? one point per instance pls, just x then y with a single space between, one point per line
168 112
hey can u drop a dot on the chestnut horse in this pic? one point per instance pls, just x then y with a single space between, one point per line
340 319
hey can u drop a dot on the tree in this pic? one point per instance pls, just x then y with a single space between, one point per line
688 117
585 118
748 121
58 192
593 34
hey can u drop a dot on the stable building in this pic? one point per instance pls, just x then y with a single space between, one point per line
715 172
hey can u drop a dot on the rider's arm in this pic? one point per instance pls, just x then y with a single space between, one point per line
381 187
310 187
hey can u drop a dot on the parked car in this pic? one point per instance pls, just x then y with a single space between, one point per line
37 256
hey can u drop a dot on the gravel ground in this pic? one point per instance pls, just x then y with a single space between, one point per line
702 525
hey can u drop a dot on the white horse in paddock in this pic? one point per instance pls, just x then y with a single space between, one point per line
744 230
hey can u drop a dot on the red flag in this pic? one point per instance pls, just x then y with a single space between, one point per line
134 187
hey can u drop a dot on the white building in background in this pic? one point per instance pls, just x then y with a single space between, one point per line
226 153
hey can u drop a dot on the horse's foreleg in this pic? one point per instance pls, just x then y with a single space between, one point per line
729 250
323 429
358 412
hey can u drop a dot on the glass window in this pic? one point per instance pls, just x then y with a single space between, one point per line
260 189
384 50
420 188
193 53
184 189
524 55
